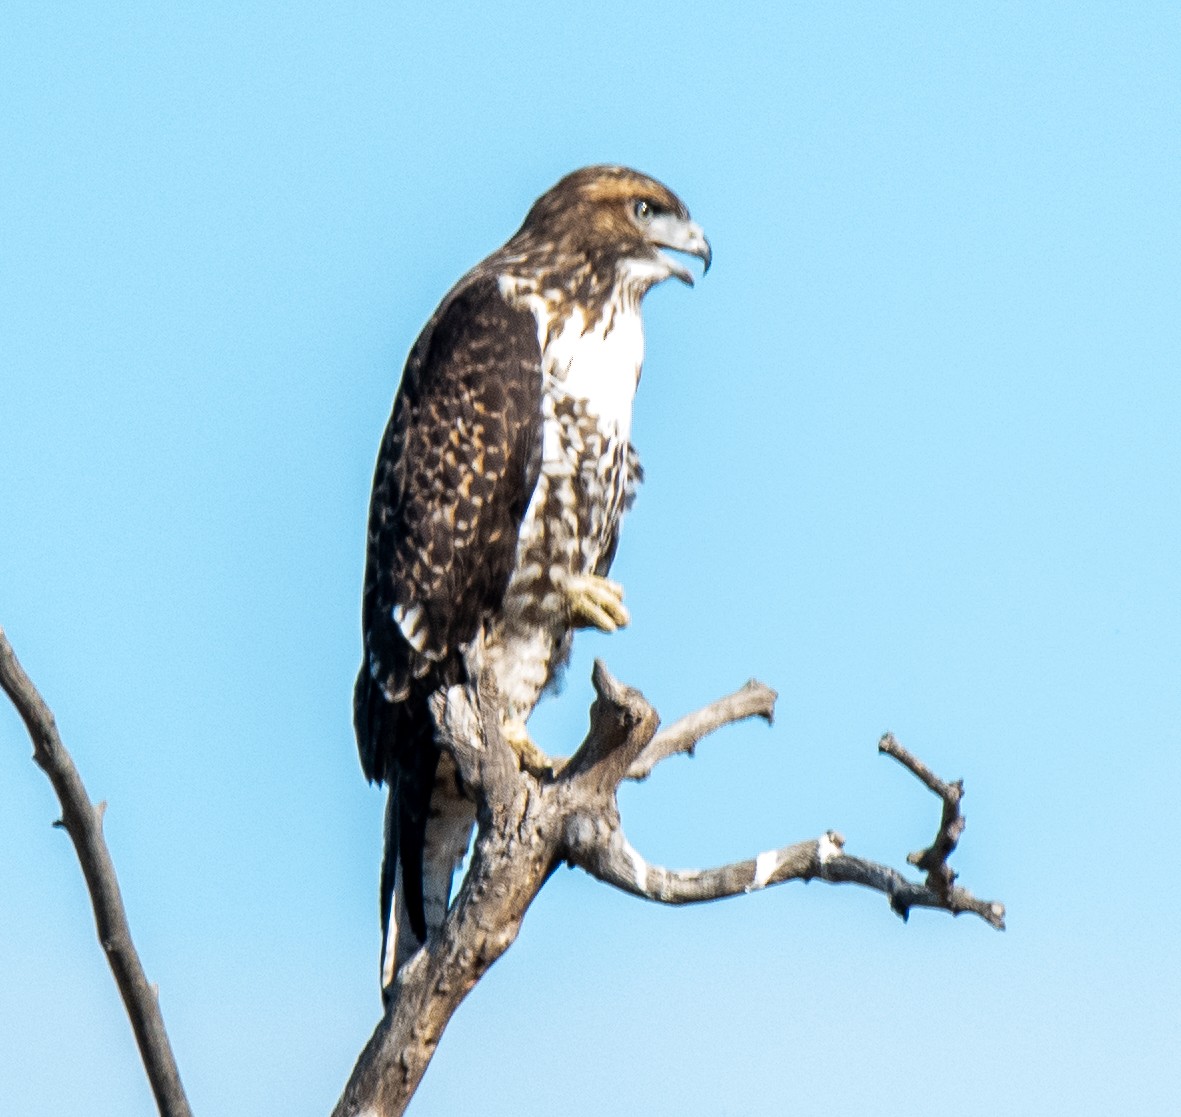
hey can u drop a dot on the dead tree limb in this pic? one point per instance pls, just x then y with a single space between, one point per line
82 820
755 699
527 827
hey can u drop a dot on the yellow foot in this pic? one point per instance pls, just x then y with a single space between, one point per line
529 756
596 602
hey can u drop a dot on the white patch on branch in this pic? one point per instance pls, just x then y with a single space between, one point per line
831 845
639 868
765 865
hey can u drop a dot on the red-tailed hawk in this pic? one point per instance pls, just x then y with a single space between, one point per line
500 483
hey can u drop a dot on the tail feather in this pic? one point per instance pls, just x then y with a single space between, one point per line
428 820
420 890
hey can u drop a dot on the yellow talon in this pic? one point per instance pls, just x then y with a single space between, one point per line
596 603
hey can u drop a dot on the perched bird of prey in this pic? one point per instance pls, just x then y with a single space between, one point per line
500 483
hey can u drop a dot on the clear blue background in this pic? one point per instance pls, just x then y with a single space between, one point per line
912 454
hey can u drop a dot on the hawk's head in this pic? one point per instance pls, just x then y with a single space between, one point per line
617 216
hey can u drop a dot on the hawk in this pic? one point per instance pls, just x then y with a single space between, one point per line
500 484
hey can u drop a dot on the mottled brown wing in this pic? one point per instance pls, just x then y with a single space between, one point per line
455 472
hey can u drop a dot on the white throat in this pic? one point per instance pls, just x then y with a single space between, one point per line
600 365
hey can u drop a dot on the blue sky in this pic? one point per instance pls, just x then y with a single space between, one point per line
912 458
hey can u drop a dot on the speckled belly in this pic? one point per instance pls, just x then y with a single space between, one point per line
570 527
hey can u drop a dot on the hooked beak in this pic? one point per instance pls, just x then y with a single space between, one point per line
681 235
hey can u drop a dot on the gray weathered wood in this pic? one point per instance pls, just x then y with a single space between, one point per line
528 826
82 820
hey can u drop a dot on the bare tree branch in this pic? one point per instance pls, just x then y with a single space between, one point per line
940 877
622 725
607 855
755 699
82 820
469 728
611 858
529 826
526 827
520 840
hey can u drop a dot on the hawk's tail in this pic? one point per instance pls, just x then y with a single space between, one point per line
422 851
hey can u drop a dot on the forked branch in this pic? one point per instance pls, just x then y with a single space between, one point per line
606 854
755 699
526 828
574 817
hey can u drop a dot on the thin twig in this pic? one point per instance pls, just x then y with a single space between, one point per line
755 699
82 820
933 859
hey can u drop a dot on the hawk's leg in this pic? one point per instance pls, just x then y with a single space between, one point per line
595 602
531 758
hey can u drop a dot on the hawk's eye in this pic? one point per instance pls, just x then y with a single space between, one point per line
644 211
